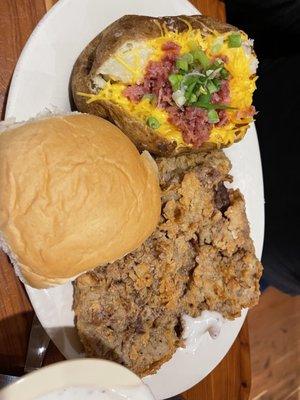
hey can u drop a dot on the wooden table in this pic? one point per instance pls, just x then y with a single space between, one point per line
230 380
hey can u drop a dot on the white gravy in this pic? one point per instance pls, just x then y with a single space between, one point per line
92 393
195 328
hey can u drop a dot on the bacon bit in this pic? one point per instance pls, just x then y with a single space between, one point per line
171 46
155 82
135 93
224 58
165 96
223 95
193 123
223 118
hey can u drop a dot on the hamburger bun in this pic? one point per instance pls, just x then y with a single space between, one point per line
75 194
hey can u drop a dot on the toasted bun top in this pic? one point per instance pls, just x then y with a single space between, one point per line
75 194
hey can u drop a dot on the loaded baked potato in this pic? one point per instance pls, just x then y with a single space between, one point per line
172 84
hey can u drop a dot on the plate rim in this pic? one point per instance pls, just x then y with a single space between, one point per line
18 69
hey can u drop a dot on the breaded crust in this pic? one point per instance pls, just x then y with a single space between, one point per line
135 28
200 257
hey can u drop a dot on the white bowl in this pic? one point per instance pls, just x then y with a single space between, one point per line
85 372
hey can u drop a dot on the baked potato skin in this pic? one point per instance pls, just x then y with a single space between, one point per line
133 27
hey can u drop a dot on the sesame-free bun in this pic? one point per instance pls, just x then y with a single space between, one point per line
75 194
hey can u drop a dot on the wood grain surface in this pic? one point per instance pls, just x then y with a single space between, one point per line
232 377
212 8
275 347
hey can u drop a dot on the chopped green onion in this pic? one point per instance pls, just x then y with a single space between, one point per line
217 64
193 98
217 44
222 107
188 57
184 61
234 40
213 116
202 90
216 48
182 64
211 87
202 79
175 80
202 58
215 73
224 73
189 91
204 101
205 98
206 106
189 79
209 72
217 82
153 123
149 96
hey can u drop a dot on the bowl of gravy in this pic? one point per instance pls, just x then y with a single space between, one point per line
84 379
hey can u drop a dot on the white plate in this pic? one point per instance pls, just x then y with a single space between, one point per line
41 81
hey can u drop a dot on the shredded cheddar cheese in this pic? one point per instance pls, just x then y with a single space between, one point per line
114 92
241 84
